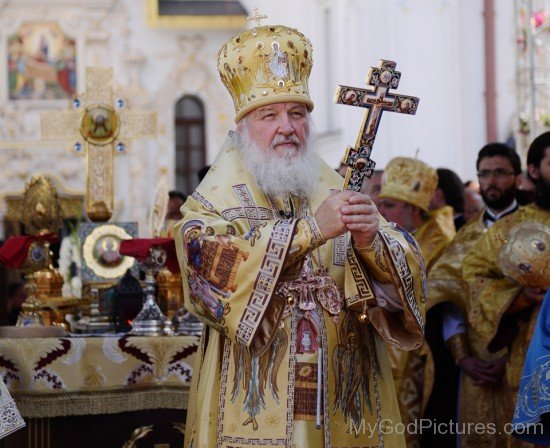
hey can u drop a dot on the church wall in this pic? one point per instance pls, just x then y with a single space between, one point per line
439 48
437 44
505 40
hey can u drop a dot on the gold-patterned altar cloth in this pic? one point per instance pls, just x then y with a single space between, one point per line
52 377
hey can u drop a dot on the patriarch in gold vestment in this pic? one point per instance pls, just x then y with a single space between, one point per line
298 319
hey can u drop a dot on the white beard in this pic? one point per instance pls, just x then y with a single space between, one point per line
295 171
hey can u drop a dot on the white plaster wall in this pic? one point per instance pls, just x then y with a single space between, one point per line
437 44
439 48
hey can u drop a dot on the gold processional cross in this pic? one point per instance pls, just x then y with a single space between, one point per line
376 100
100 125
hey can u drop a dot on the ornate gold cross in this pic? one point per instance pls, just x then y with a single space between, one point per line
376 100
99 124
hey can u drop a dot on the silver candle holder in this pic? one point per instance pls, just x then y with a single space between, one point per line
151 321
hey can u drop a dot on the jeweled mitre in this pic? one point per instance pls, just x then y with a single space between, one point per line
409 180
525 256
266 65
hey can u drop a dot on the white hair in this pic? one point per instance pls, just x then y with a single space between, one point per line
292 171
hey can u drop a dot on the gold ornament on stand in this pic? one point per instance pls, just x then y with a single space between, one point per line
41 217
99 125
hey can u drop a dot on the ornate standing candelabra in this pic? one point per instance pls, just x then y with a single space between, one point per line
38 258
151 321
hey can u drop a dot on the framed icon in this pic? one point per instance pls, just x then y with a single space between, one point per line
101 259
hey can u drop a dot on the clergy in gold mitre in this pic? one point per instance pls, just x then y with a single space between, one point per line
504 305
454 342
408 187
301 286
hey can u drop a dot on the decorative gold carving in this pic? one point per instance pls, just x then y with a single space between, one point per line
99 183
71 202
98 124
48 283
41 210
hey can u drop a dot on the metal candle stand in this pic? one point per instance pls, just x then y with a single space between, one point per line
151 321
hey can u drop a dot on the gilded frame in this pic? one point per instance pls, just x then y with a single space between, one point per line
101 262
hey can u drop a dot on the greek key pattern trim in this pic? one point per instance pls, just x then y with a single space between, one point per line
324 377
201 199
291 381
339 250
365 290
223 387
317 238
248 209
404 272
270 270
374 362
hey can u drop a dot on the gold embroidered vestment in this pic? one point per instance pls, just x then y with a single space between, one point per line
254 382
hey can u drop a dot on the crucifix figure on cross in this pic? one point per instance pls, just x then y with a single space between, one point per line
99 124
376 100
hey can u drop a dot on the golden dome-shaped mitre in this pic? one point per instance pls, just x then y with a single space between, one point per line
266 65
525 256
409 180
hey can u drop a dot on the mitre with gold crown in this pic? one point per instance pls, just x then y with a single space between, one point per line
409 180
525 255
266 65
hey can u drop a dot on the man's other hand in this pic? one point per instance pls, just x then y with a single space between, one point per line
329 214
361 218
349 211
482 372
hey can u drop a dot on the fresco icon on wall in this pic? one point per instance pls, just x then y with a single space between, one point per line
41 62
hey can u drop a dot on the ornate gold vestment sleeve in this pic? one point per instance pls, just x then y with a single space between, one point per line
396 259
307 237
435 234
445 282
229 273
375 260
